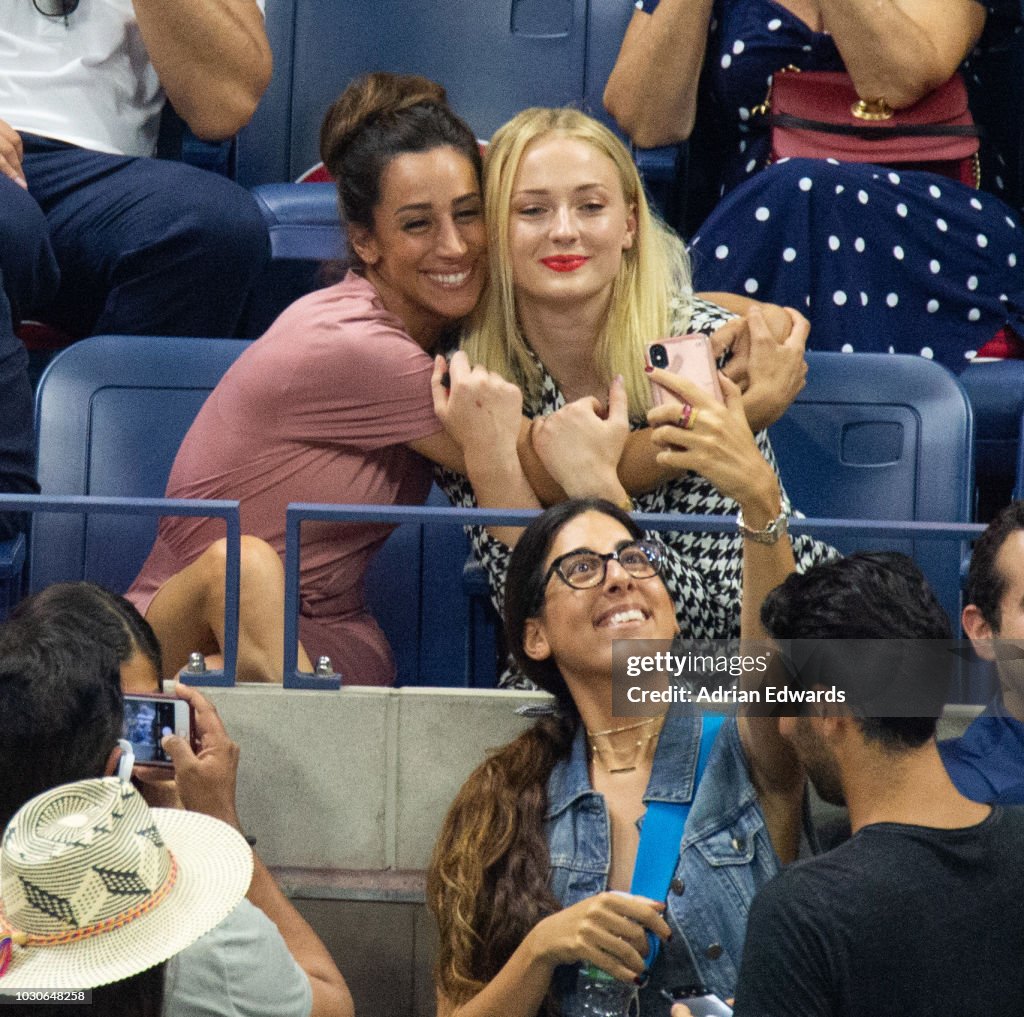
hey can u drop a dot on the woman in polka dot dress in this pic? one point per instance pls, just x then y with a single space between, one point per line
882 260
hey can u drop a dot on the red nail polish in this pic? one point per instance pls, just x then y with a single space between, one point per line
648 369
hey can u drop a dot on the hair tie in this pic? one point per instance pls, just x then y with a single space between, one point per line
537 710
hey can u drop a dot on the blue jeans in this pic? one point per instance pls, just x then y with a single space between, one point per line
111 244
144 246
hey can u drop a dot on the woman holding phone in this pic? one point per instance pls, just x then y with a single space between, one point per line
582 279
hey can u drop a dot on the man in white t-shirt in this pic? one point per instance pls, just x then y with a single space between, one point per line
96 236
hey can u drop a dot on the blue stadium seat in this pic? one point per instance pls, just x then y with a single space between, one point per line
880 436
1018 487
302 220
996 392
110 414
607 21
494 59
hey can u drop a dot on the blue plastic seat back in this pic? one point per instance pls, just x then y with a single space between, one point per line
111 412
1018 487
607 21
996 392
876 436
494 58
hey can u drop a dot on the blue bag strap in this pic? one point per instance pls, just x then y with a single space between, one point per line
662 834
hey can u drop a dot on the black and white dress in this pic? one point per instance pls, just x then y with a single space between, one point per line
703 571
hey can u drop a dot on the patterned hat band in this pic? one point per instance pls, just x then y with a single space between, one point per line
18 937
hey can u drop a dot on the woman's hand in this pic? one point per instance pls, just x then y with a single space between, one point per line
730 336
715 440
581 443
480 410
904 49
768 364
607 930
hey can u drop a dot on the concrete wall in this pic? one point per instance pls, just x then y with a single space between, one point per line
345 792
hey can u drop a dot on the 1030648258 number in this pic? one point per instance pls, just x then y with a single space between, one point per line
9 996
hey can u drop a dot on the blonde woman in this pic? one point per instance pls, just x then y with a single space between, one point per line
582 277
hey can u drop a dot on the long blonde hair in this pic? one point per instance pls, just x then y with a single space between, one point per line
653 271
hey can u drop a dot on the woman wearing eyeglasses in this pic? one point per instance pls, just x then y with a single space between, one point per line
547 825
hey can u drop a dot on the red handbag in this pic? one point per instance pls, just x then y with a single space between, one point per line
818 115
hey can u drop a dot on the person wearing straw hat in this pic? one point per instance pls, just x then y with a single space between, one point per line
96 888
61 712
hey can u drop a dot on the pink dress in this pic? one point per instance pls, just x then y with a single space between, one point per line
317 410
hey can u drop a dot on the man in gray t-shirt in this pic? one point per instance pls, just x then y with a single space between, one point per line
61 713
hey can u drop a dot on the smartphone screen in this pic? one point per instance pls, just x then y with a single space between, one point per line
147 719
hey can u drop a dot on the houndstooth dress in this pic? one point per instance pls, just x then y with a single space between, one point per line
703 571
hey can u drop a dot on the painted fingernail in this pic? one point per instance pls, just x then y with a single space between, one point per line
648 369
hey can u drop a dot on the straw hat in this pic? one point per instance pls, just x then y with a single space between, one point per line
95 886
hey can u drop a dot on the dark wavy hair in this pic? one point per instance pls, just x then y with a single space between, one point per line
487 885
872 596
96 612
378 117
61 708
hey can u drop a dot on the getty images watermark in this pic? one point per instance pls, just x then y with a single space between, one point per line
876 678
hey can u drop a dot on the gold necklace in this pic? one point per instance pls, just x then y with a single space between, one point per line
641 741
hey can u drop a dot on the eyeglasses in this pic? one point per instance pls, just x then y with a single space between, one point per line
583 569
56 8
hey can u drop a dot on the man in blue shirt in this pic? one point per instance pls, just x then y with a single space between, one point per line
987 762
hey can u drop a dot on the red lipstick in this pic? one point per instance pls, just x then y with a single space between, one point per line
564 262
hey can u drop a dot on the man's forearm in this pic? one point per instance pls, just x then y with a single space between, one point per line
212 58
331 997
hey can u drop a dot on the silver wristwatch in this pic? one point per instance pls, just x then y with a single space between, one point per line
769 535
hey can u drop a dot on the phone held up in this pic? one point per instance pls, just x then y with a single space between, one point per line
689 356
699 1002
147 719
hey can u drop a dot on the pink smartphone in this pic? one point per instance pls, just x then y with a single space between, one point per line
689 356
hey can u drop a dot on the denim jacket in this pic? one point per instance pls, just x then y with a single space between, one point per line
725 856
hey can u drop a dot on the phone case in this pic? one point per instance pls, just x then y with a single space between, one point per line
689 356
708 1005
